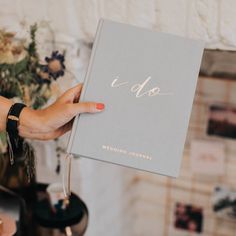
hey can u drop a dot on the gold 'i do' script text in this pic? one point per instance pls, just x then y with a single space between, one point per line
139 88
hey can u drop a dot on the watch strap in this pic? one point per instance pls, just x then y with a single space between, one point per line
13 118
14 140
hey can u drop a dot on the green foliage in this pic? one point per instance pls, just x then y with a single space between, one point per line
32 49
19 67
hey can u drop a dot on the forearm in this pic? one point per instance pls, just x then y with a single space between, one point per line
53 121
5 105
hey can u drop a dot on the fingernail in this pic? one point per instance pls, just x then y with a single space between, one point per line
100 106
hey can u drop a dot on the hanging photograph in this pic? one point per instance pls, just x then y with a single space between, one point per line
222 121
224 202
207 157
188 217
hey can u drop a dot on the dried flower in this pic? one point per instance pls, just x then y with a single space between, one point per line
10 52
55 66
26 96
42 76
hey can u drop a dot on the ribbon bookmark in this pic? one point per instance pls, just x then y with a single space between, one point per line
66 176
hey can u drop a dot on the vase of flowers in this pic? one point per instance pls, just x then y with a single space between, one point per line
24 78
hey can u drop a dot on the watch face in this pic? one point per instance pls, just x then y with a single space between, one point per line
11 117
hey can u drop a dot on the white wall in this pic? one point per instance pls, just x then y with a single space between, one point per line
123 201
211 20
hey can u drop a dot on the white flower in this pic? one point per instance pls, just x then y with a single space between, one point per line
10 52
16 100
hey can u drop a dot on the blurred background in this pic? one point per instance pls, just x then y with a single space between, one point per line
127 202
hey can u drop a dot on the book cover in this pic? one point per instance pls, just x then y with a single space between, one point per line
147 82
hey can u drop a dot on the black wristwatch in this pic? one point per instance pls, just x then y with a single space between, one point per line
13 137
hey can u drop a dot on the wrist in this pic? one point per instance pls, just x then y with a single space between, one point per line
30 119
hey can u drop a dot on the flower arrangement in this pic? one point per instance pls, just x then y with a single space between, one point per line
23 77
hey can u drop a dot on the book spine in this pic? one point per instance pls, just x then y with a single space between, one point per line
86 81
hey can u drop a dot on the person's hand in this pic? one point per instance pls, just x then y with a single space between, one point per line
55 120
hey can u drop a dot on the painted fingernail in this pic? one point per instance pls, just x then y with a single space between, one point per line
100 106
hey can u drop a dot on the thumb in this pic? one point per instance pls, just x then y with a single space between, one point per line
71 95
87 107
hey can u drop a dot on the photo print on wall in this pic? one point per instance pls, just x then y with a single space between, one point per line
222 121
188 217
224 202
207 157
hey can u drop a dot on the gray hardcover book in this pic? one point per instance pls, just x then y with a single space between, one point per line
147 81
